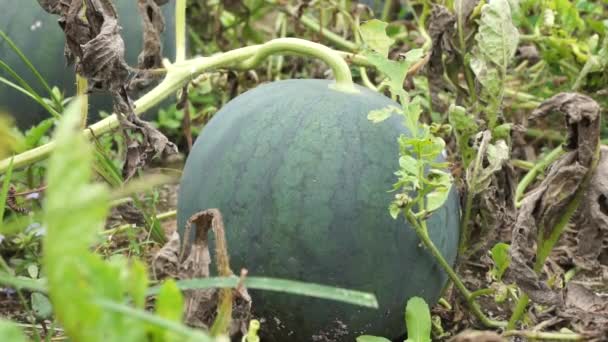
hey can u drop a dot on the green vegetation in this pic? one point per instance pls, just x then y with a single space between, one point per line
310 170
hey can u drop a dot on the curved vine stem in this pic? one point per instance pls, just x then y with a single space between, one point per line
344 80
181 72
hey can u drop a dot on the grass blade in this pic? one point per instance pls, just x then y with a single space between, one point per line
166 324
281 285
34 96
29 64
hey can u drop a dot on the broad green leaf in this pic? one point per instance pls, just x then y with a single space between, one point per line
138 283
374 35
465 129
379 115
395 71
418 320
497 37
409 164
369 338
169 305
442 183
500 256
41 306
281 285
9 331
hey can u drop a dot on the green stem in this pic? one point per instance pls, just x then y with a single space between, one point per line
422 232
344 80
538 335
533 173
179 73
386 10
481 292
522 164
464 224
81 90
180 30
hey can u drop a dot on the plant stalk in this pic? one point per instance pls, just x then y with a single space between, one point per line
422 232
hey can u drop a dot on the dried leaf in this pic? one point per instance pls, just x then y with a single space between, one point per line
587 312
544 206
592 221
152 53
202 306
442 32
497 37
490 159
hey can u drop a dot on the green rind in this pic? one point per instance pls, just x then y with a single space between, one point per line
43 46
302 178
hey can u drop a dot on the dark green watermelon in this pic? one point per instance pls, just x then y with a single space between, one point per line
302 178
39 36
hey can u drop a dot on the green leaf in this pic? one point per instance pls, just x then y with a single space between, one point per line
395 71
9 331
373 33
418 320
369 338
379 115
568 15
500 256
35 134
144 316
281 285
465 129
41 306
169 305
394 210
442 183
497 37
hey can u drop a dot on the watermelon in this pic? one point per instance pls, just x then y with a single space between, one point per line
40 38
302 178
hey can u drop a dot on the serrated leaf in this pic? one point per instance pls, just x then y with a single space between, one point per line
418 320
500 256
379 115
373 33
442 183
497 37
465 129
369 338
396 71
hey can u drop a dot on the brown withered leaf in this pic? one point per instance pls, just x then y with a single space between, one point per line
592 221
442 32
193 261
152 52
586 311
544 206
98 49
